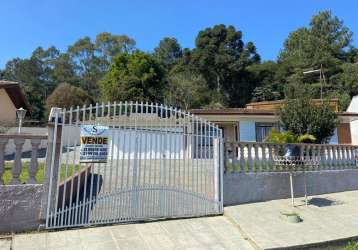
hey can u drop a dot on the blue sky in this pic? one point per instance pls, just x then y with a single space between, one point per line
26 24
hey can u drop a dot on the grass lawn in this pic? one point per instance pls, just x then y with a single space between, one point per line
24 176
353 245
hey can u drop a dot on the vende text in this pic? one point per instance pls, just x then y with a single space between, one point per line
94 140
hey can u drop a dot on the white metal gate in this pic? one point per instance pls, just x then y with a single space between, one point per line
161 163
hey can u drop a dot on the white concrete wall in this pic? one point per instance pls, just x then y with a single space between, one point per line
353 107
7 109
149 144
247 131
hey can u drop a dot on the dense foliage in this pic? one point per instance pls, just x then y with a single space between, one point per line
282 137
278 137
187 90
301 116
133 77
222 70
66 96
222 58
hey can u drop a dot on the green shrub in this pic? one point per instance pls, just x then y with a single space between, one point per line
301 116
280 137
66 96
306 138
353 245
288 137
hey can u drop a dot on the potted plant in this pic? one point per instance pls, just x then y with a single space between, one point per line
290 148
282 138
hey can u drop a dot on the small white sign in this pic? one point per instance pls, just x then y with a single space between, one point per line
94 143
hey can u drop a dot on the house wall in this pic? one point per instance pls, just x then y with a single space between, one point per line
247 128
128 144
247 132
229 131
7 109
353 107
354 132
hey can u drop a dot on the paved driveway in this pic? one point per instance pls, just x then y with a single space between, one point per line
198 233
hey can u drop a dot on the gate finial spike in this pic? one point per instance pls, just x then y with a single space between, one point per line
53 113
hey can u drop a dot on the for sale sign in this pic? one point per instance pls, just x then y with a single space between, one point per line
94 143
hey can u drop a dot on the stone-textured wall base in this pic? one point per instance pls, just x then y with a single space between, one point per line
20 207
255 187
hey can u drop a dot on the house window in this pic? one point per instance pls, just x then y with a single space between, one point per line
263 130
237 135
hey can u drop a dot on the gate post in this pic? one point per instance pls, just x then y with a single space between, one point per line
216 157
222 168
53 154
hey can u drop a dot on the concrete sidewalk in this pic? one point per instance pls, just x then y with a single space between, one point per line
327 218
261 225
5 243
198 233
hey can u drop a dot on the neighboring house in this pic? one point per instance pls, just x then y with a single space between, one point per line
353 107
255 122
11 98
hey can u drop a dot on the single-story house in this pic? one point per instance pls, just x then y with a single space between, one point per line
353 107
255 122
11 98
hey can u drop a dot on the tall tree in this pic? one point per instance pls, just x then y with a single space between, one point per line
46 59
222 58
326 42
265 77
64 70
110 45
301 116
133 77
348 80
92 59
88 65
168 52
187 90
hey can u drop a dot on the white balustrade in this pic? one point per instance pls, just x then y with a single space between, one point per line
34 162
3 142
258 157
17 141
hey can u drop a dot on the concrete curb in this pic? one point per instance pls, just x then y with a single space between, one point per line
320 245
